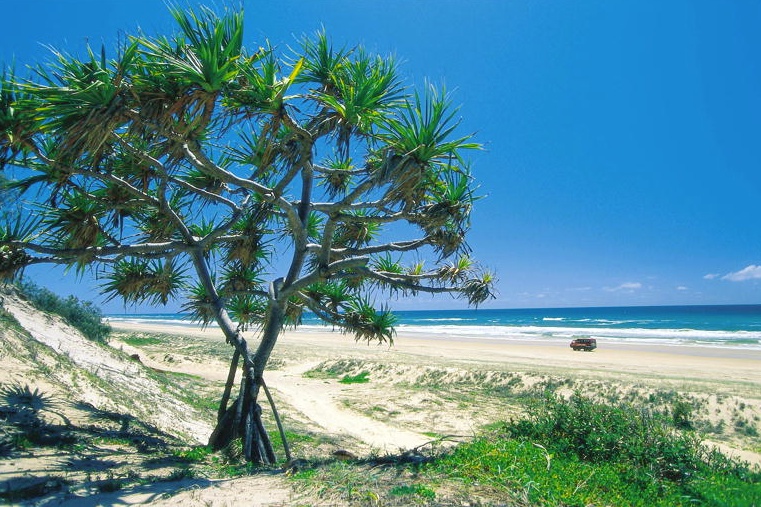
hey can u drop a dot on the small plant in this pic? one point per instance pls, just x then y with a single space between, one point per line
360 378
24 406
113 440
681 413
110 484
194 454
180 473
19 441
744 427
7 320
418 490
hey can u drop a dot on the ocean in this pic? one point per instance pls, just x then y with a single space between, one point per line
737 326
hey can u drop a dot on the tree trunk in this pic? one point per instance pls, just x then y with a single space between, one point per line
243 418
257 447
228 385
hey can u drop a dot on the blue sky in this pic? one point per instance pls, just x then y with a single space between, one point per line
623 139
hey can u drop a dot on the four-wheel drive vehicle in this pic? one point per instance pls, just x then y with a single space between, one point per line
586 344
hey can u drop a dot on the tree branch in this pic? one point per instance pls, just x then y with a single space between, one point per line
397 281
403 246
157 249
202 163
323 274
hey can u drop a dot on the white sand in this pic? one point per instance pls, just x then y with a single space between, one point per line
734 371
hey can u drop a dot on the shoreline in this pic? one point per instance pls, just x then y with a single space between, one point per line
666 361
508 334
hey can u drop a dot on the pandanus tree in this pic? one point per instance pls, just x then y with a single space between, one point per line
250 187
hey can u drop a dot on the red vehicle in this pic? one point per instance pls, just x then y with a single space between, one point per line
585 344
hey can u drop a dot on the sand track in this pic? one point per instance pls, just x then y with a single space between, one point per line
318 401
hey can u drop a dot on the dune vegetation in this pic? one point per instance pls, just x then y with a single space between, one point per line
536 439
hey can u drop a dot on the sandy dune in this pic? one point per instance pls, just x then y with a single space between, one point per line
344 411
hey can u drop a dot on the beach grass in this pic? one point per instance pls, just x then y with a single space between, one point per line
565 452
531 439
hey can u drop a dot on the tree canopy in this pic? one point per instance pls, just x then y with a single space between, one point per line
248 185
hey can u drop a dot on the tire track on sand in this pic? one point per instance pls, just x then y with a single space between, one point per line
319 401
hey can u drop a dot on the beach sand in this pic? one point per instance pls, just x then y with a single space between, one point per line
678 362
401 407
721 379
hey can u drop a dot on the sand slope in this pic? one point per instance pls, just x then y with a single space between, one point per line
418 387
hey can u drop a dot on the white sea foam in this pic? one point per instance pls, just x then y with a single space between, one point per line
629 335
460 327
445 319
168 320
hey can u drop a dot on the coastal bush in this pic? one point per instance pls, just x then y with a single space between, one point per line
528 473
744 427
7 320
82 315
360 378
600 432
638 447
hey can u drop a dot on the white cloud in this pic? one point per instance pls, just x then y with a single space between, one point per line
711 276
751 272
682 287
579 289
629 286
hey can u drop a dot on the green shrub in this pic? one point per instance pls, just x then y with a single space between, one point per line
360 378
603 433
681 413
82 315
629 455
7 319
194 454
